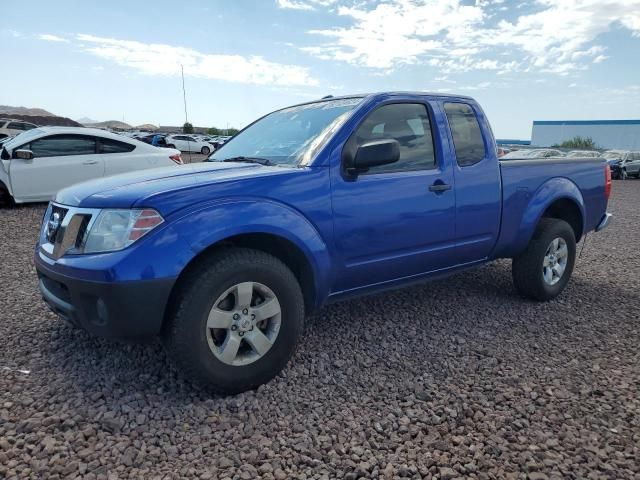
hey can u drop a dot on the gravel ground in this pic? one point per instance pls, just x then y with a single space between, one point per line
456 378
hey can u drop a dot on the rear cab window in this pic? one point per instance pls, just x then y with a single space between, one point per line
467 136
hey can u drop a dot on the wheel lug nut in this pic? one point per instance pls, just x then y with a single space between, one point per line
241 334
236 316
253 317
234 327
245 311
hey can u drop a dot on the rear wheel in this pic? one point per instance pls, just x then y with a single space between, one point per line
543 270
205 151
236 322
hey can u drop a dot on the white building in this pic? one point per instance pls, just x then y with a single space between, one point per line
620 134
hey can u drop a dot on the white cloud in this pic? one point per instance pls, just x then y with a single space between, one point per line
162 59
553 36
304 4
52 38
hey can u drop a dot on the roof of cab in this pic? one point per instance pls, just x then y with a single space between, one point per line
387 94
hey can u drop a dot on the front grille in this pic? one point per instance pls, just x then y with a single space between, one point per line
82 230
54 223
65 229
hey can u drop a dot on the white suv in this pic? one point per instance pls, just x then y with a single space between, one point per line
9 127
189 143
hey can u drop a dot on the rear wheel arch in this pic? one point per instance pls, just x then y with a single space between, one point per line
568 210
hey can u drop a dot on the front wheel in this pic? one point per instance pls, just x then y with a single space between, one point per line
543 270
236 320
5 196
205 151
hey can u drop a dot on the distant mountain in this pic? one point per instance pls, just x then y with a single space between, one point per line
46 120
36 112
146 126
110 124
86 120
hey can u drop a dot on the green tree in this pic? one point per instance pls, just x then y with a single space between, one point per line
232 131
214 131
583 143
187 128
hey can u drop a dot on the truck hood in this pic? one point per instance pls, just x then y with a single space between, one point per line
134 188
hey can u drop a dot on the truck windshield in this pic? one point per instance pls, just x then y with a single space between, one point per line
291 136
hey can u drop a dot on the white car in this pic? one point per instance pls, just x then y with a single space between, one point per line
583 154
533 153
9 127
189 143
36 164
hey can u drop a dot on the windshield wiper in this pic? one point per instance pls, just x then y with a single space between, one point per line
261 161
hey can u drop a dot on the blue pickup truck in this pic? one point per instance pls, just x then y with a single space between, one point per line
310 204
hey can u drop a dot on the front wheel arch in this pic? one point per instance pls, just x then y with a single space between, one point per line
281 248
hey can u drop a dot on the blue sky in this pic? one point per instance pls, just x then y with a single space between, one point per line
523 60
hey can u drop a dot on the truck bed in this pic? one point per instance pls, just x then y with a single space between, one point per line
525 184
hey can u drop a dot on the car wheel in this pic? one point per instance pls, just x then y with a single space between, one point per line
205 151
5 197
543 270
236 320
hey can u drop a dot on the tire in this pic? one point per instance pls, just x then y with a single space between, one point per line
205 151
530 276
197 349
5 197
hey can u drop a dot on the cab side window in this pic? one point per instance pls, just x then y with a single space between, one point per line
466 133
409 124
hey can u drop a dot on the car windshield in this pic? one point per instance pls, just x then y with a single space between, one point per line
291 136
22 138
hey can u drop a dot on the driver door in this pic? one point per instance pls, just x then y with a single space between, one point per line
59 161
395 221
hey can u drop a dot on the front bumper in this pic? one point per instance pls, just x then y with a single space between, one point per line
132 309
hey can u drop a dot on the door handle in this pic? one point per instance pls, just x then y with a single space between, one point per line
90 162
439 187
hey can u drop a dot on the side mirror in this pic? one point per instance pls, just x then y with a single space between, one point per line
23 154
374 153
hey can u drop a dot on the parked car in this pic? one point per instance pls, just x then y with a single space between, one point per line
6 139
533 153
36 164
188 143
624 163
9 127
583 154
311 204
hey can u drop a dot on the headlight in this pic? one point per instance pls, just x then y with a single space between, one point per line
117 229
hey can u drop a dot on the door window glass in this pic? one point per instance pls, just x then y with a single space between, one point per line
63 145
409 124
